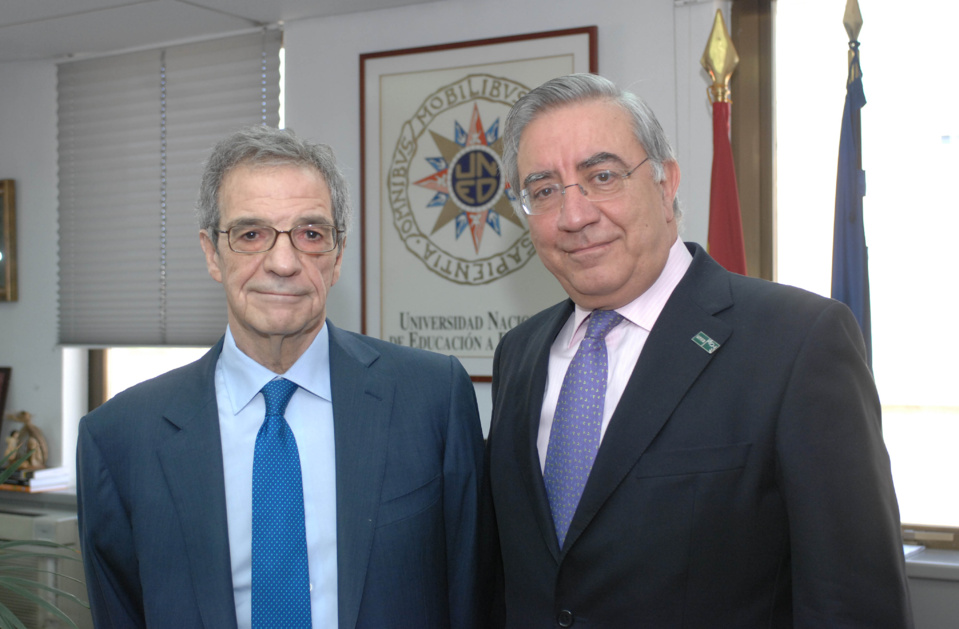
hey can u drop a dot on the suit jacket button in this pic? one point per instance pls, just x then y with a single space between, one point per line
565 618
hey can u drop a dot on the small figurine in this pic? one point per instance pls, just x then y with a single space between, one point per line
28 439
13 442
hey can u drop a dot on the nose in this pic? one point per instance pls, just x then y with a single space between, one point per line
577 210
283 258
582 191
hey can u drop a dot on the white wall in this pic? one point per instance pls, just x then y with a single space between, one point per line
28 327
651 46
637 49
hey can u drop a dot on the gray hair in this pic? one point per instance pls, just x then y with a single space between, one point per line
578 88
265 146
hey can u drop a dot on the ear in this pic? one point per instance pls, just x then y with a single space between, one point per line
670 184
212 257
339 262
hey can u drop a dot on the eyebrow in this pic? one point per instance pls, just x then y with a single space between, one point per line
596 159
600 158
309 220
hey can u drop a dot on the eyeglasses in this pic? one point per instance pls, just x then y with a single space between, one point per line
262 238
540 197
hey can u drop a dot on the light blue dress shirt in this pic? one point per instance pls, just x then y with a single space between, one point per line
310 415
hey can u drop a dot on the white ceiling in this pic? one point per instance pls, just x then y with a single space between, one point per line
60 29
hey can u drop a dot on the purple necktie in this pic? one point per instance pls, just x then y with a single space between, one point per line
574 436
281 573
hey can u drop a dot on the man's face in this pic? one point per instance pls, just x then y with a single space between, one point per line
605 254
280 293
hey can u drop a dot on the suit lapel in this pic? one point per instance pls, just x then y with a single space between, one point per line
192 462
362 403
669 364
536 362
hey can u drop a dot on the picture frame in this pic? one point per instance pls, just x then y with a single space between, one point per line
8 241
4 387
447 261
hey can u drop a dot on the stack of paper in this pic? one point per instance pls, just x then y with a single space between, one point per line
47 479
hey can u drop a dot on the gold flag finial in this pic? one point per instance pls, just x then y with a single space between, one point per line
852 19
719 59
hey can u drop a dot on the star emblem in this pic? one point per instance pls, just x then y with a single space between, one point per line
468 180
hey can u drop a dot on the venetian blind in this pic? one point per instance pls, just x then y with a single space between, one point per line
133 132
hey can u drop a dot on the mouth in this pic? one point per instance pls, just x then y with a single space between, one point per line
586 249
270 294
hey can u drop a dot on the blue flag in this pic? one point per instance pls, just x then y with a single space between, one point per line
850 268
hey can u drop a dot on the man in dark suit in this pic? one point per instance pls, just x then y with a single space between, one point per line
173 528
730 471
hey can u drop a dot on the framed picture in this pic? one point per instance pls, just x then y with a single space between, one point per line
4 385
447 261
8 241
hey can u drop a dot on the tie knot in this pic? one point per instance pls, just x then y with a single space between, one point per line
277 394
601 322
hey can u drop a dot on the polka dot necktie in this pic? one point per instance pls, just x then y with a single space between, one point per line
281 575
574 436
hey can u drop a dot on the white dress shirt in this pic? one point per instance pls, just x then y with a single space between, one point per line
624 343
310 415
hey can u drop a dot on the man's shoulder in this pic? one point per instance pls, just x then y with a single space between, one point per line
547 316
781 299
764 309
366 347
540 323
705 278
152 396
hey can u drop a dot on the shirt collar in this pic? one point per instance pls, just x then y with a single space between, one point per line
644 310
244 377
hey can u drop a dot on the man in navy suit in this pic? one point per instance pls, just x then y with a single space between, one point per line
388 438
736 474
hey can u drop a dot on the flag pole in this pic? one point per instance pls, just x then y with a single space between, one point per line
725 239
850 265
852 21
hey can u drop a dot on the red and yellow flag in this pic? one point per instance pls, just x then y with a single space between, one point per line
725 239
725 243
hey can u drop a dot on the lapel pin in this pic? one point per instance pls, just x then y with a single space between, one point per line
702 339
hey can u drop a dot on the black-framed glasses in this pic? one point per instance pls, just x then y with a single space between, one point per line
601 184
262 238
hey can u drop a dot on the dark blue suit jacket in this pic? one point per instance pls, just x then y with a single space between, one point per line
408 468
744 487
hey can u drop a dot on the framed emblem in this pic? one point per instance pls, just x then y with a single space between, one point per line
447 262
8 241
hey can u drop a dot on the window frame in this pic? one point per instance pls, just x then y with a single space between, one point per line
753 88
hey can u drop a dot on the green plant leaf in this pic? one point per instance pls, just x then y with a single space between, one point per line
7 557
18 550
9 619
7 470
23 588
14 570
19 582
73 555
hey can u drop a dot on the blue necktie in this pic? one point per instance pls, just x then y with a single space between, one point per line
574 436
281 575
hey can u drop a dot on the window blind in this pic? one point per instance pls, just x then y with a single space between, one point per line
133 131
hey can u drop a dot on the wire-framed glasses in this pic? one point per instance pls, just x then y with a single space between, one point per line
262 238
602 184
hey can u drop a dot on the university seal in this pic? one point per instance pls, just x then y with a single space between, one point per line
449 200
